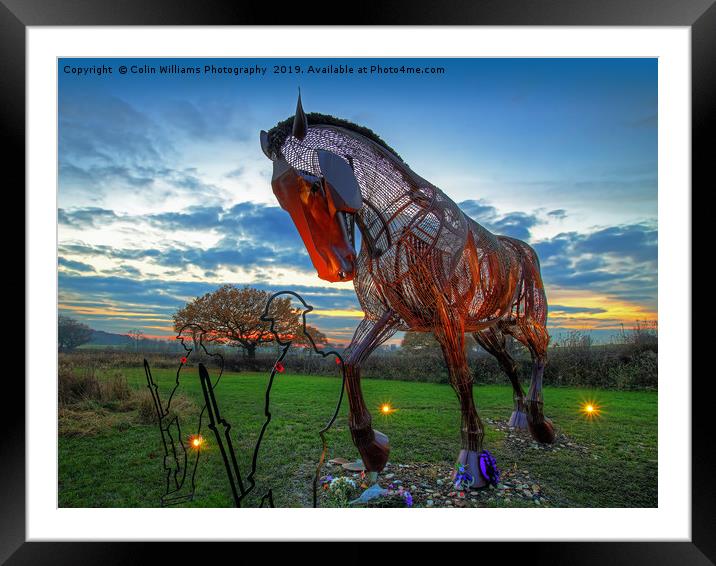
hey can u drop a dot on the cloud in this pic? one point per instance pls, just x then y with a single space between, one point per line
113 154
251 235
236 173
514 224
559 213
74 265
124 271
230 252
245 220
106 130
620 260
576 310
117 302
479 210
98 250
192 218
91 217
185 117
636 242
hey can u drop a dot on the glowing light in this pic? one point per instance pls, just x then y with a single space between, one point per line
196 441
386 408
590 409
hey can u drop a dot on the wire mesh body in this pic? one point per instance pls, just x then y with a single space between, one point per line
418 248
425 266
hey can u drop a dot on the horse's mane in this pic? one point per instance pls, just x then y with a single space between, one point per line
279 133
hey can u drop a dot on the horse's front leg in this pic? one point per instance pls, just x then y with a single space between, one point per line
450 334
371 444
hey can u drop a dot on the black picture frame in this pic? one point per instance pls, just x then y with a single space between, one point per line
699 15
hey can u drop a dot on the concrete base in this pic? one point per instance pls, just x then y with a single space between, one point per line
469 458
518 420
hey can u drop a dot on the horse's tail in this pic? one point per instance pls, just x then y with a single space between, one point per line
531 299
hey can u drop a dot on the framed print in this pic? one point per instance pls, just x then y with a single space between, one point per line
318 282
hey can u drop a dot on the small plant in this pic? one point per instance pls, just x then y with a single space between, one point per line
401 493
341 490
77 385
115 388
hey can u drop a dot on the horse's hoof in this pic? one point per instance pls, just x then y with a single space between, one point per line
375 453
471 461
542 432
518 420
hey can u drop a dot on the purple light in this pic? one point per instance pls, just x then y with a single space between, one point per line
488 468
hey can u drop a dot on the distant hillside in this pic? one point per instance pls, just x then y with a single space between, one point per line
102 338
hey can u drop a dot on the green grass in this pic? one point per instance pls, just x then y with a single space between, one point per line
123 467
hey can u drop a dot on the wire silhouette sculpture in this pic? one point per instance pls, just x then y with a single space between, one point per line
423 265
285 345
177 460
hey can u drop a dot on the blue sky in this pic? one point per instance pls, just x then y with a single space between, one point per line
164 192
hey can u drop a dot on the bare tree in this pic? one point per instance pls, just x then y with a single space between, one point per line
136 335
71 333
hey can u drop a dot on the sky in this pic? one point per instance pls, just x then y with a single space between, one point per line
164 193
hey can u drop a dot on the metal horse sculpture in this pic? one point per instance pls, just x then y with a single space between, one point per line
423 266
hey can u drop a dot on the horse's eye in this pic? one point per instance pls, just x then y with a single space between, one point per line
316 187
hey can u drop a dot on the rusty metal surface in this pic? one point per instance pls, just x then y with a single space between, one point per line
423 265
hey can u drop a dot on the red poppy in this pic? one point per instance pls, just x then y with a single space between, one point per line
279 367
183 360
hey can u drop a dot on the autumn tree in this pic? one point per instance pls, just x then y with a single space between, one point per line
71 333
419 342
232 314
319 338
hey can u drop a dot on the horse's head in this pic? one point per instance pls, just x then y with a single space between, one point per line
321 203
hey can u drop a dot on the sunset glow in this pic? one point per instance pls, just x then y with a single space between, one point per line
567 164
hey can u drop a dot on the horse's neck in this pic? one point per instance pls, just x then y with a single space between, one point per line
393 195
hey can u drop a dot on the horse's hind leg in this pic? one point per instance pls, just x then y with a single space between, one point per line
450 335
535 337
372 444
493 342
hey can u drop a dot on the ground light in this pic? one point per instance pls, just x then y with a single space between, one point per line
590 409
196 441
386 409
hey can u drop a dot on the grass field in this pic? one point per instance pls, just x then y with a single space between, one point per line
121 466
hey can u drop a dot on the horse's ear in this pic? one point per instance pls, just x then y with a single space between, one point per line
341 181
300 121
265 143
